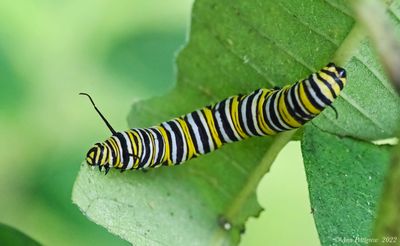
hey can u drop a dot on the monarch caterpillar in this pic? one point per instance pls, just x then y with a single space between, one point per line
262 112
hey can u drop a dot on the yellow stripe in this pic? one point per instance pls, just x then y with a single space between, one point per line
304 100
134 148
235 117
115 147
283 111
139 148
167 157
97 154
105 154
189 141
210 122
120 164
154 146
260 116
332 69
332 82
108 154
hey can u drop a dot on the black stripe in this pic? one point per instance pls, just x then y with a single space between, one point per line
202 131
275 114
136 142
305 115
266 111
192 134
125 152
149 137
217 128
169 139
205 118
100 149
292 111
224 119
308 113
112 152
318 92
281 114
249 115
309 96
179 139
333 75
327 84
238 115
152 157
269 111
160 146
241 121
145 143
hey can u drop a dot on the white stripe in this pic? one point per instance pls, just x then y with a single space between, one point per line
299 102
268 109
204 122
143 152
331 96
220 124
291 104
173 139
276 109
254 112
129 146
196 133
184 156
156 148
105 154
149 148
244 116
111 161
313 93
228 116
157 142
140 142
119 146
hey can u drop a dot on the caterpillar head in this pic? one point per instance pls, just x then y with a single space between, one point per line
335 76
97 156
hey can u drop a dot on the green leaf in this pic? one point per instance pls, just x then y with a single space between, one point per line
11 236
236 47
345 178
183 205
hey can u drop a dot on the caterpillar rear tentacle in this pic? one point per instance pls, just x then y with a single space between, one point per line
262 112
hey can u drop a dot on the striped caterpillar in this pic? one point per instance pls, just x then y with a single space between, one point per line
262 112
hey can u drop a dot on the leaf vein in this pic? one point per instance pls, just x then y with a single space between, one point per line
301 21
363 112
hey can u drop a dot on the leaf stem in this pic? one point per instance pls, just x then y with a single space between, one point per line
254 178
387 224
250 186
373 16
349 45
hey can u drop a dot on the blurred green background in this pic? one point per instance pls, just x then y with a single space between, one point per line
119 52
